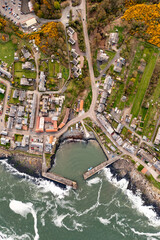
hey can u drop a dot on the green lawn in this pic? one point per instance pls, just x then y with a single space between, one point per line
19 72
148 115
153 181
18 137
120 33
88 100
53 83
43 66
7 52
142 87
111 54
65 72
13 100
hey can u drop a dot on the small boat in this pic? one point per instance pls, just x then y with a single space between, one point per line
89 168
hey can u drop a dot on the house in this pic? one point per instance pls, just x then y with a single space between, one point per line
24 82
119 64
16 58
30 6
76 74
100 108
10 123
22 95
15 94
104 95
105 123
71 41
59 75
42 82
40 124
20 111
13 110
7 74
27 65
25 53
25 140
102 57
130 148
33 110
113 38
2 90
119 128
102 100
75 62
70 31
75 69
5 133
4 140
74 53
18 126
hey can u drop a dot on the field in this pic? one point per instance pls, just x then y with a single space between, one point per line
13 100
19 73
53 83
87 101
7 52
142 86
134 88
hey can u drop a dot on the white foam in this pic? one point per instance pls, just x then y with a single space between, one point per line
104 221
48 186
4 236
58 220
135 199
93 207
146 234
93 181
42 184
23 209
78 226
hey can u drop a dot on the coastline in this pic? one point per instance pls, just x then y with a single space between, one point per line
122 169
23 161
125 169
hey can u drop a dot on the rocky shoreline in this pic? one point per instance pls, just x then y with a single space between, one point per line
32 165
23 162
125 169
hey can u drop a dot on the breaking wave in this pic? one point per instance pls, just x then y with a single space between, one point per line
24 209
44 185
135 199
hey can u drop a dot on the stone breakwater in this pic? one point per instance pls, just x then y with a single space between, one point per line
137 181
24 162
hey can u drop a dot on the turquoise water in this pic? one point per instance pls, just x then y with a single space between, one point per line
100 209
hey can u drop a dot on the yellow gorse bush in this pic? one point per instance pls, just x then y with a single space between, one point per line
150 16
49 30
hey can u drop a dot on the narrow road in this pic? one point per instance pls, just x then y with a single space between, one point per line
7 92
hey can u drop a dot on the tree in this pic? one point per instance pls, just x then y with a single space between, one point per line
56 5
40 13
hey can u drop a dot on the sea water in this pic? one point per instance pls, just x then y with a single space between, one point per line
101 209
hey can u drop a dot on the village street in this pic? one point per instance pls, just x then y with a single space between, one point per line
91 112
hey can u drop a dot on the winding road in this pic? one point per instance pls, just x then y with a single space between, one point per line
91 112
